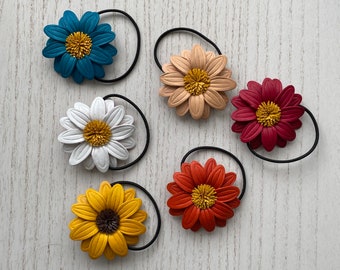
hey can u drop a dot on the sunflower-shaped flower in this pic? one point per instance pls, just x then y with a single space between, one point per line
108 221
195 81
80 47
97 136
267 114
205 196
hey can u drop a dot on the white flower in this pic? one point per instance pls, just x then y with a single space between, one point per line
97 136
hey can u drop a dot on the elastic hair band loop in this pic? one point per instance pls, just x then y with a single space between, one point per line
147 129
178 29
316 127
137 49
147 193
244 180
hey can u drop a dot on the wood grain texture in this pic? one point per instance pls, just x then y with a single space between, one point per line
289 217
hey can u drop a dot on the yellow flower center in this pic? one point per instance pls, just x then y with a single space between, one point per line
203 196
78 44
196 82
268 113
97 133
107 221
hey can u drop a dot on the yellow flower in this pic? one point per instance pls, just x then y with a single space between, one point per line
107 220
196 81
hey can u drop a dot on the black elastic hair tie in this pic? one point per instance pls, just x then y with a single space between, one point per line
316 128
180 29
147 129
147 193
244 180
137 49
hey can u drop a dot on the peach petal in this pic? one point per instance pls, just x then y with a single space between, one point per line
172 79
196 106
166 91
199 58
214 99
220 83
178 97
216 65
180 63
168 68
206 112
183 108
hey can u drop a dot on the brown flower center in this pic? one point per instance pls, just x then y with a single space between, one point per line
78 44
203 196
97 133
268 113
196 82
107 221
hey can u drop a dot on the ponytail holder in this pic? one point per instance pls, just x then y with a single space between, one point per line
101 135
196 80
268 115
109 221
80 48
205 194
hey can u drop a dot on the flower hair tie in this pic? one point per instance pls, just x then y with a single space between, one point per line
205 195
268 115
100 135
109 221
196 80
80 48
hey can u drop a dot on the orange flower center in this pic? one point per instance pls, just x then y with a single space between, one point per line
107 221
196 82
78 44
97 133
203 196
268 113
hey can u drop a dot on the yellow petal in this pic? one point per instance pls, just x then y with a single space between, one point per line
116 197
82 198
167 91
84 211
214 99
181 63
168 68
196 106
75 222
178 97
129 194
85 244
172 79
84 231
219 83
96 200
128 208
140 216
206 112
104 188
108 252
131 227
97 245
131 240
216 65
183 108
118 243
198 57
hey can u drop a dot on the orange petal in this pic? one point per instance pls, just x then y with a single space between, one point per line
183 108
210 165
173 188
179 201
181 63
190 216
140 216
198 173
129 194
168 68
198 57
84 211
220 83
206 112
97 245
84 231
131 227
222 210
178 97
96 200
184 181
214 99
116 197
172 79
128 208
230 178
196 106
166 91
118 243
227 194
185 168
207 219
216 65
108 252
216 177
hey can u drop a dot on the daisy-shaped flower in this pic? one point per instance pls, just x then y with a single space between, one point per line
205 196
195 81
267 114
80 47
97 136
107 221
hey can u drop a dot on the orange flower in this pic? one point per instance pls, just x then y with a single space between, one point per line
205 196
196 81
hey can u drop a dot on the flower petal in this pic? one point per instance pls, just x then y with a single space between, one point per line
109 105
128 143
84 231
238 102
251 131
140 216
186 169
270 89
166 91
183 108
88 163
296 100
173 188
216 177
75 222
214 99
220 222
65 122
219 83
179 96
296 124
89 21
251 97
100 38
129 194
209 165
98 70
254 86
100 56
113 162
285 97
109 254
168 68
176 212
230 178
180 63
84 211
80 153
238 126
96 200
184 181
100 158
172 79
269 138
190 216
285 131
97 110
82 107
122 132
118 243
54 49
131 240
115 198
196 106
207 219
78 118
56 32
85 67
114 116
85 244
127 120
67 64
244 114
97 245
105 188
227 193
198 57
70 21
179 201
222 210
131 227
281 142
291 113
71 136
206 112
198 173
77 76
216 65
234 203
128 208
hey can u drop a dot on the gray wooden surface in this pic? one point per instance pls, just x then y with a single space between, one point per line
289 217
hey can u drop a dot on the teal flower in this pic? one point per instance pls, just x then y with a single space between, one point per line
80 47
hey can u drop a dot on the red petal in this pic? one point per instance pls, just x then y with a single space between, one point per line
270 89
244 114
190 217
234 203
196 226
198 173
296 124
229 178
179 201
238 102
207 219
256 143
227 194
222 210
269 138
209 165
184 181
291 113
251 131
296 100
185 168
254 86
285 97
285 131
176 212
281 142
220 222
253 98
238 126
216 177
173 188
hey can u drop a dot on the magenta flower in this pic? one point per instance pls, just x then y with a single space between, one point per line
267 114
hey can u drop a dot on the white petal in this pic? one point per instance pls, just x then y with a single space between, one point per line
109 103
78 118
88 163
71 136
65 122
117 150
68 148
122 132
113 162
100 158
127 120
82 107
97 110
79 154
128 143
115 116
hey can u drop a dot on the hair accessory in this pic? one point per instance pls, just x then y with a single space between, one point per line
196 80
100 136
80 48
110 221
269 115
205 194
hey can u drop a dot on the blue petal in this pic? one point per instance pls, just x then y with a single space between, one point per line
99 38
57 66
67 64
98 70
70 21
54 49
85 67
50 41
89 22
56 32
99 56
110 49
103 27
77 77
